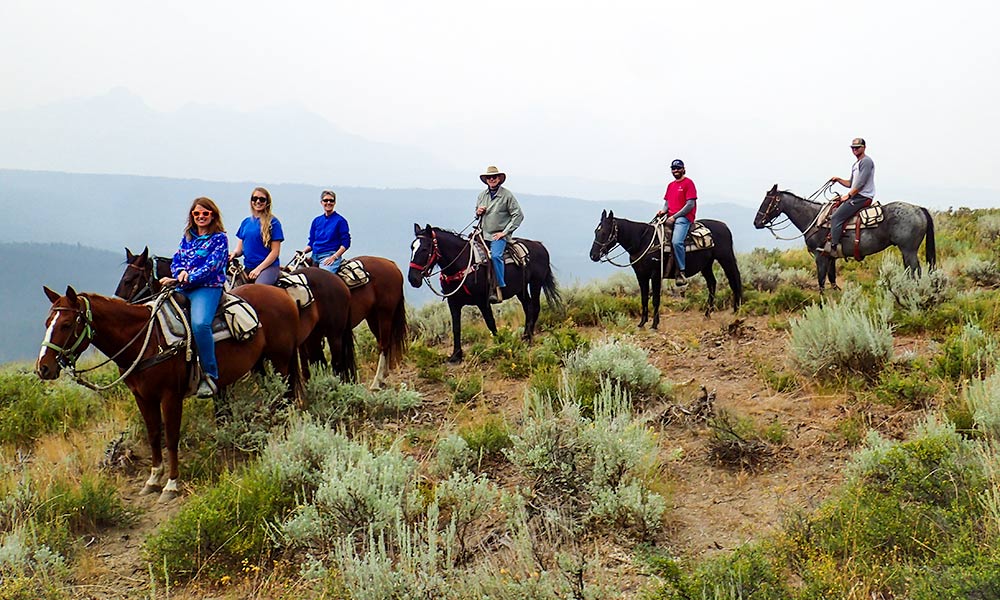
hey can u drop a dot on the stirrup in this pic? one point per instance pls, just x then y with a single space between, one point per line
206 388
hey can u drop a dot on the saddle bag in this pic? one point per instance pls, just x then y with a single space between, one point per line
240 317
516 253
354 274
297 287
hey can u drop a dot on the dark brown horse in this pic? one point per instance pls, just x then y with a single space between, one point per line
379 302
327 318
121 331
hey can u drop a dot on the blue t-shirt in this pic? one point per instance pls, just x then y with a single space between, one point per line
254 251
328 234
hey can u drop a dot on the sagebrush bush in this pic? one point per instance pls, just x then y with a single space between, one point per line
253 407
620 362
431 323
453 454
329 399
983 399
30 407
982 272
842 336
988 225
912 293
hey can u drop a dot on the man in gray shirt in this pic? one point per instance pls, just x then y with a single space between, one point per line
862 184
499 215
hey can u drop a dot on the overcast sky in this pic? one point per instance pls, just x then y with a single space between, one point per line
747 93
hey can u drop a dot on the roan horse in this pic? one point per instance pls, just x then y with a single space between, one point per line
644 258
129 334
326 318
466 284
905 226
381 304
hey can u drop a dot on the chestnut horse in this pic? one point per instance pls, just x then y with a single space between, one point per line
327 318
130 335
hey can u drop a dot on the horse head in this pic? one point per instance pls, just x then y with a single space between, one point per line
138 272
424 254
769 209
69 328
605 236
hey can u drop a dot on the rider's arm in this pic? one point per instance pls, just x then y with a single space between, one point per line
841 181
238 250
516 216
688 207
865 172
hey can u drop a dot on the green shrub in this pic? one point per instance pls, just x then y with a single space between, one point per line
429 362
453 454
905 388
983 399
508 353
30 407
984 273
749 572
845 336
487 439
624 364
464 387
255 406
911 293
970 352
331 400
778 380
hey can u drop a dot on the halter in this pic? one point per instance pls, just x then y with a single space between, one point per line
435 254
613 239
67 357
774 200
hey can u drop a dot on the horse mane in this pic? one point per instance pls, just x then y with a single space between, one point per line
791 193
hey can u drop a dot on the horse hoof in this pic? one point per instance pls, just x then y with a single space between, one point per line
150 489
641 324
455 358
167 496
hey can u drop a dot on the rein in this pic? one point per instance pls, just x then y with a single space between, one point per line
68 357
613 239
435 254
774 202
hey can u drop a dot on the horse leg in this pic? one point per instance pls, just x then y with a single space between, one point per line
710 283
821 267
382 328
644 298
456 331
657 285
528 316
151 416
532 309
911 262
172 409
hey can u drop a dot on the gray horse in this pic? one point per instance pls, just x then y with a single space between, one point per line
905 226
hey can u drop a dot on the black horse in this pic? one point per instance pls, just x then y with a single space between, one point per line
644 257
905 226
465 283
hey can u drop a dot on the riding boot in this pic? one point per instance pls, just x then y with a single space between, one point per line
207 388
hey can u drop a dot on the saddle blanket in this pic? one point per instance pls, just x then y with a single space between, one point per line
235 319
354 274
870 216
516 252
297 287
699 237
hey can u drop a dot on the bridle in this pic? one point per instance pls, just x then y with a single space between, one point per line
67 357
613 239
609 243
432 258
773 208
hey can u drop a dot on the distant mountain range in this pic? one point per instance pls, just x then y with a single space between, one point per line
94 217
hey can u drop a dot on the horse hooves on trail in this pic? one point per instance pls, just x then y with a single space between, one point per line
455 358
150 489
167 496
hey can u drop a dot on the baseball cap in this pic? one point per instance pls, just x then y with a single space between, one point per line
858 143
677 164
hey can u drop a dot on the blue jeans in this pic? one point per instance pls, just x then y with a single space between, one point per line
843 213
496 255
204 303
681 227
331 267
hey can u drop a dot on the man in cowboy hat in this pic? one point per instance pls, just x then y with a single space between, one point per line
862 184
499 215
679 205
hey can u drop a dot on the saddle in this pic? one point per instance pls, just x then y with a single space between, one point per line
516 252
297 287
699 237
867 217
234 319
354 274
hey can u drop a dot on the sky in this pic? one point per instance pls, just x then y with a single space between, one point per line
748 93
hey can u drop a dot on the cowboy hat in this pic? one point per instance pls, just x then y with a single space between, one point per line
490 171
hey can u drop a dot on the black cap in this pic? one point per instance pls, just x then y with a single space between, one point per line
677 164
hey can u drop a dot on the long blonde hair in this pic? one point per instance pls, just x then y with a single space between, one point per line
265 216
191 230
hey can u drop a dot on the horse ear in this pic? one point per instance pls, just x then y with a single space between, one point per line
128 255
604 214
416 229
427 227
70 294
51 294
145 254
774 188
611 214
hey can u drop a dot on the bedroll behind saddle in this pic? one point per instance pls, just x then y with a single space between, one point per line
354 274
516 252
235 319
699 237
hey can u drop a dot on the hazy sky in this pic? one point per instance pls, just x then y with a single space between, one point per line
747 93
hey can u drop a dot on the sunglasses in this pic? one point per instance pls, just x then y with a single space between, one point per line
258 199
201 213
328 201
488 177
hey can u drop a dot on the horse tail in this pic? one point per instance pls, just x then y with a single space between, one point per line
550 289
397 335
348 364
930 251
727 260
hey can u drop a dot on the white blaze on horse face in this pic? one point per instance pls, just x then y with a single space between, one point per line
48 337
413 249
